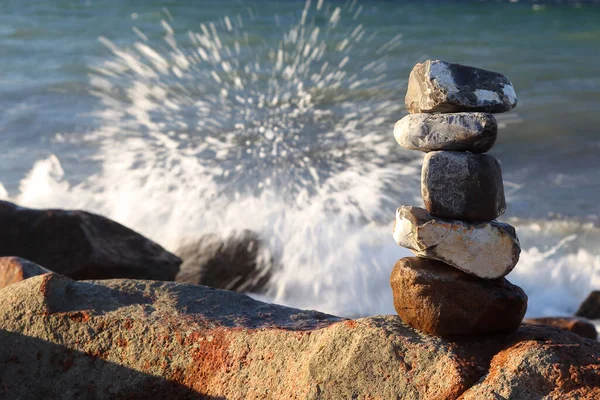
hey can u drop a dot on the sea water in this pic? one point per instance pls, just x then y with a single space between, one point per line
180 118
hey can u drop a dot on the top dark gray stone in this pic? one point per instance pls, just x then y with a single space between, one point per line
439 86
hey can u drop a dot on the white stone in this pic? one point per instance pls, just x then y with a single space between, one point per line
488 250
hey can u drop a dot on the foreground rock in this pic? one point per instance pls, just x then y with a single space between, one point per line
438 86
82 245
435 298
578 326
488 250
462 186
236 263
590 308
140 339
475 132
15 269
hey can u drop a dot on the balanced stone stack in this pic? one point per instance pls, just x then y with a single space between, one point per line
456 284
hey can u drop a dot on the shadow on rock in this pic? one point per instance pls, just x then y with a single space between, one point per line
32 368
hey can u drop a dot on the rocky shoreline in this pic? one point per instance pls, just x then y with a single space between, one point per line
147 339
133 339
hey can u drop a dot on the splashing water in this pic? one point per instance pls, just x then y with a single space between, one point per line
287 134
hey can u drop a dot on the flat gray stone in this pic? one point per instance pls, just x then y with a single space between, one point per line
464 186
475 132
438 86
487 250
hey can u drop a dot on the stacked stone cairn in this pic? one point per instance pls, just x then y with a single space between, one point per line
456 284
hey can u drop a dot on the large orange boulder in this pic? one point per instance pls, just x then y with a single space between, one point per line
133 339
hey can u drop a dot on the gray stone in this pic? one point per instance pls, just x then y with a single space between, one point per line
462 186
438 86
475 132
487 250
440 300
82 245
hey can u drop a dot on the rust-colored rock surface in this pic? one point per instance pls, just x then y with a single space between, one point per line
82 245
128 339
576 325
15 269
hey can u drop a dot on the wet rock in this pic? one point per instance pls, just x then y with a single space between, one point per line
140 339
238 262
462 186
475 132
82 245
487 250
15 269
590 308
578 326
438 86
440 300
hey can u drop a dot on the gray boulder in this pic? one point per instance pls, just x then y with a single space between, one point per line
439 86
82 245
238 262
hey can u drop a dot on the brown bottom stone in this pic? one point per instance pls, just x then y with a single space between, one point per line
436 298
576 325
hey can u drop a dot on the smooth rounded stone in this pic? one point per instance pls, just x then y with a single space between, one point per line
475 132
487 250
464 186
439 86
578 326
16 269
440 300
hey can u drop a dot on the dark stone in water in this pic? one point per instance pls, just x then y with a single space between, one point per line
82 245
438 299
236 263
463 186
438 86
590 308
578 326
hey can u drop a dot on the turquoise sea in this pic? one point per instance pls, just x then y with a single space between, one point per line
179 118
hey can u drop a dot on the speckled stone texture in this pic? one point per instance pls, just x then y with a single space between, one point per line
440 300
82 245
487 250
15 269
128 339
463 186
475 132
438 86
